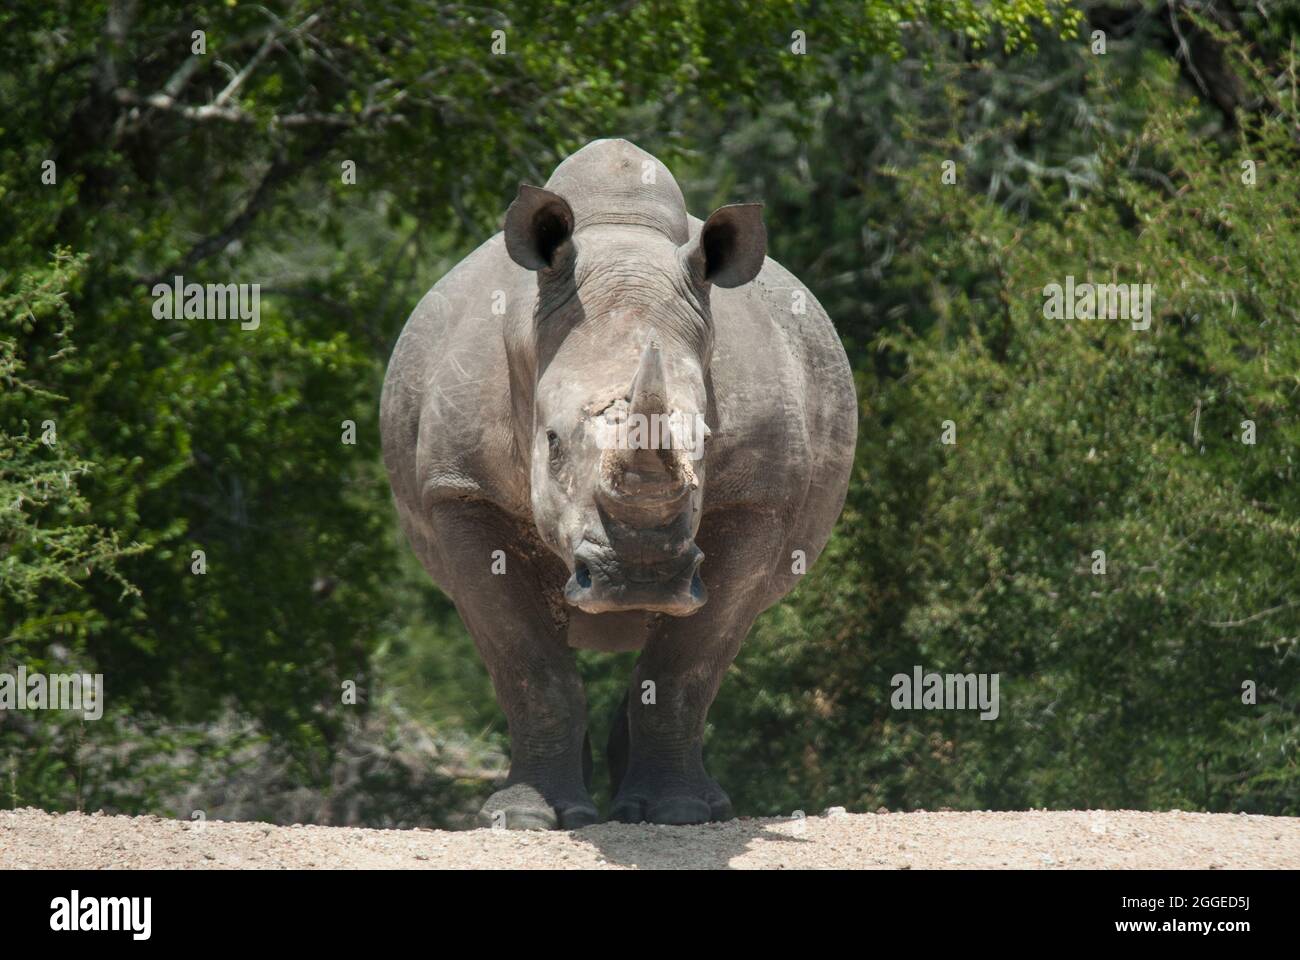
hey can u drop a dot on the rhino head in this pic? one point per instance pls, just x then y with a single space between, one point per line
610 372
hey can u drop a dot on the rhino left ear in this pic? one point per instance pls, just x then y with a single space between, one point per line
537 224
732 243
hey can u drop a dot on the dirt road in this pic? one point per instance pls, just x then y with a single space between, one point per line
1036 840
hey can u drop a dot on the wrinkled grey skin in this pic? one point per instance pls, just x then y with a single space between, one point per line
611 300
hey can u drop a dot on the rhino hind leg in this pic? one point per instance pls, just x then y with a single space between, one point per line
511 618
616 747
586 761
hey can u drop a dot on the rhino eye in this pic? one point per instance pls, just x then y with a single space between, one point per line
553 442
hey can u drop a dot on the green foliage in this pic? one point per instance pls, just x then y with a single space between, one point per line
49 551
1118 690
45 545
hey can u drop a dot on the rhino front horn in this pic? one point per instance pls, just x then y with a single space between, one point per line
645 468
649 392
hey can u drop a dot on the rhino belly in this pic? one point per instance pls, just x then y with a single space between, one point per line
608 632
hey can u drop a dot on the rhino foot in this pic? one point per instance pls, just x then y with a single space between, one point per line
523 807
673 805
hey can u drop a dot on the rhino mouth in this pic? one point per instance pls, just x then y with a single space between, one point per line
604 581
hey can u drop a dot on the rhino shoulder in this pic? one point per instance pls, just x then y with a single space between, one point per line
786 411
445 412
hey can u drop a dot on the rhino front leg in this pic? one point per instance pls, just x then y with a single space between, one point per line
532 668
658 744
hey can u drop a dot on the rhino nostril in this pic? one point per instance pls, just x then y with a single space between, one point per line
582 575
697 586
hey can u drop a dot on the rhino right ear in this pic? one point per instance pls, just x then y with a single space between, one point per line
731 245
537 224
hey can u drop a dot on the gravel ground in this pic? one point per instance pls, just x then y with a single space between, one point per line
31 838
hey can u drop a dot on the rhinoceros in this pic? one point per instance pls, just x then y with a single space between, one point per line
615 427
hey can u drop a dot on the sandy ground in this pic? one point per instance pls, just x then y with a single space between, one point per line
31 838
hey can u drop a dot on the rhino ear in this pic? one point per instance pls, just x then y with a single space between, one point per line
537 223
732 243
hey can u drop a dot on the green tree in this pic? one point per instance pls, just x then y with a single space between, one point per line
1128 689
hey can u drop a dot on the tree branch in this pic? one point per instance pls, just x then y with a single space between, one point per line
1253 617
276 174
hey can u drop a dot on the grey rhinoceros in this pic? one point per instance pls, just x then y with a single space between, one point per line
615 427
